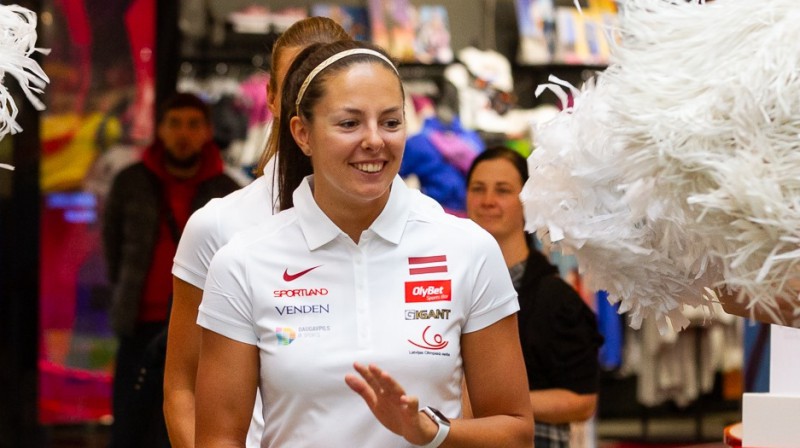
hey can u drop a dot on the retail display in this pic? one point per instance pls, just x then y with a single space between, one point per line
99 110
430 155
392 27
252 19
613 173
769 420
256 19
676 172
17 45
565 34
537 25
432 36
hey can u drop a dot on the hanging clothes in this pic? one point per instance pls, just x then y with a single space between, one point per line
610 325
439 156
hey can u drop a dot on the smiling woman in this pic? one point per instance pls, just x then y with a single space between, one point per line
212 227
352 117
361 124
357 271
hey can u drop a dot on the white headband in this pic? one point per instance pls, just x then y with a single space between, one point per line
324 64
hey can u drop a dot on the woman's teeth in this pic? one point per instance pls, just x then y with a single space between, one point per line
368 167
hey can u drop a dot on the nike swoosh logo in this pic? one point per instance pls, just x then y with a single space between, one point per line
292 277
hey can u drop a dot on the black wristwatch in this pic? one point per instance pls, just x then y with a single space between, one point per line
443 423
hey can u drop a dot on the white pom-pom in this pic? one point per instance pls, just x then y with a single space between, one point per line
17 44
678 169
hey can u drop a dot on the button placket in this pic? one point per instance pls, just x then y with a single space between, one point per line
362 300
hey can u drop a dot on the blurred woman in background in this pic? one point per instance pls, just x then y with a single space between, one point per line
558 331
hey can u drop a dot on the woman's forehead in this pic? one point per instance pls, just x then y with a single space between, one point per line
362 78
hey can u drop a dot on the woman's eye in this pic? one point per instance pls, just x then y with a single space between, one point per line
393 124
348 124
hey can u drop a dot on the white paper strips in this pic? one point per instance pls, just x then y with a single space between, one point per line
17 43
679 169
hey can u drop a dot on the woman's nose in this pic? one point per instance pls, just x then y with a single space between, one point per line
488 199
373 139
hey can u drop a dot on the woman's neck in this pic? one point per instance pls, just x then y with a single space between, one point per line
514 248
354 219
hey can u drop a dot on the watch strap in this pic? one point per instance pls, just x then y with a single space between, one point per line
444 428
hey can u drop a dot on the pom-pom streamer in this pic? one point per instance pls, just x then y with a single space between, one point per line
17 44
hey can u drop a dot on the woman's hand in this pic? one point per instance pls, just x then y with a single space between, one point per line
389 403
785 313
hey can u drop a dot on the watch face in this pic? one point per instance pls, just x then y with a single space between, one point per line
439 414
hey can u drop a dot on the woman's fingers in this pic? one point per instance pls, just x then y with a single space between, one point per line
388 401
362 388
388 386
379 388
372 375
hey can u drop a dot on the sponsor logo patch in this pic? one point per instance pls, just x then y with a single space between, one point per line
285 335
303 309
300 292
292 277
430 341
427 314
428 291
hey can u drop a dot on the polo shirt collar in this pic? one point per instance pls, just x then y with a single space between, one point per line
319 230
392 221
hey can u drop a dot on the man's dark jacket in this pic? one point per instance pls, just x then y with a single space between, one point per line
130 230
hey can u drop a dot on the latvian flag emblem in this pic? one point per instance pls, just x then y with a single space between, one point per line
427 265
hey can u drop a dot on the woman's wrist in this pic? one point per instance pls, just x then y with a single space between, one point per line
427 430
442 424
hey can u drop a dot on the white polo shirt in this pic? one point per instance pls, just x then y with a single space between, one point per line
210 228
213 225
314 302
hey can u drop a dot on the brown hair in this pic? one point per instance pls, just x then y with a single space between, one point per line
294 165
501 152
313 30
183 100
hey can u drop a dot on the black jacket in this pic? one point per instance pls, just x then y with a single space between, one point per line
130 230
558 331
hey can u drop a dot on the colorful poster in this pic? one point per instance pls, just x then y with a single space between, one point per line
583 37
392 23
353 19
536 19
432 42
571 46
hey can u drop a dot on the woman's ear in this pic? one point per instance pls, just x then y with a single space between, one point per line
272 103
300 133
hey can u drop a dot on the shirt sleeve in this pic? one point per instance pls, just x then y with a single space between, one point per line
494 297
197 246
227 306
